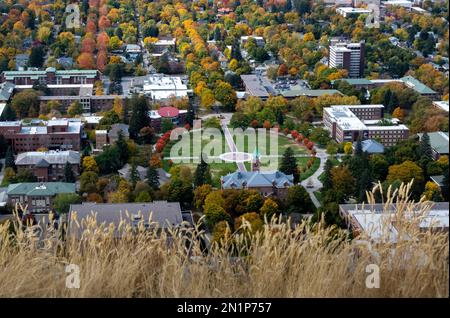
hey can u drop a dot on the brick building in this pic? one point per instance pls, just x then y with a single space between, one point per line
38 196
50 76
66 94
63 134
348 123
348 56
48 166
103 137
175 115
267 183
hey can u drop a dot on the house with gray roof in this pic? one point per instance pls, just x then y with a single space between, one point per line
65 62
22 61
438 142
37 196
48 166
267 183
113 133
370 146
156 214
125 173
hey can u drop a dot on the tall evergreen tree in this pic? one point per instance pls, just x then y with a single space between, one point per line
236 51
393 103
302 6
152 177
9 159
280 117
387 97
364 182
288 6
217 34
3 146
139 117
327 182
445 183
36 56
190 115
288 164
202 173
69 176
85 152
358 148
425 147
134 175
125 111
122 146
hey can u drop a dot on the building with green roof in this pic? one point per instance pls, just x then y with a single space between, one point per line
36 195
418 86
408 81
357 83
293 93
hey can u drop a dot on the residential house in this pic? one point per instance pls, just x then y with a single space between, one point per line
113 134
22 61
125 173
370 146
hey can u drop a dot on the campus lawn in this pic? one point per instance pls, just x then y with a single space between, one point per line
217 146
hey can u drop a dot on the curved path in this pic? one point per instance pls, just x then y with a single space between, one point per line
231 144
314 178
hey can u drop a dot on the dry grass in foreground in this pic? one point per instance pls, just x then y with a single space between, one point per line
306 261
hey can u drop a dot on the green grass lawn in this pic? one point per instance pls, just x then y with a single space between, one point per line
318 195
308 173
216 146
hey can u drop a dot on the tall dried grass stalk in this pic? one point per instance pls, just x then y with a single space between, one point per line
280 261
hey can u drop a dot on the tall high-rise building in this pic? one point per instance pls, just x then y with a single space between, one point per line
349 56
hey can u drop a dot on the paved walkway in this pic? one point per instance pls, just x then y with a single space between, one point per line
232 145
313 180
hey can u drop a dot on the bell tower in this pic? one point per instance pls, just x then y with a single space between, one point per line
256 163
